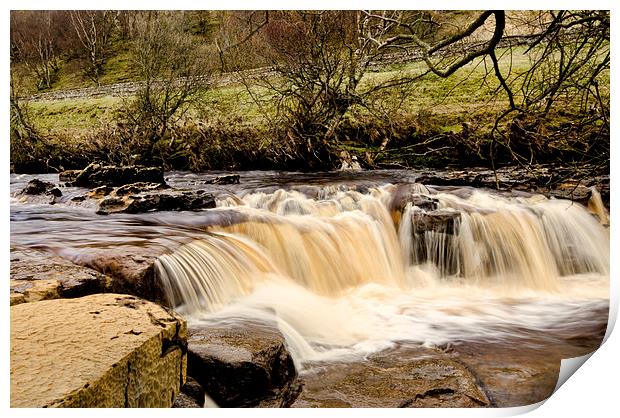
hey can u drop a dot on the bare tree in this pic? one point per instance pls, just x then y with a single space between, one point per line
94 29
171 73
317 61
37 40
568 52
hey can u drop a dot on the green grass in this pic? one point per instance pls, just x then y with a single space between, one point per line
74 114
445 103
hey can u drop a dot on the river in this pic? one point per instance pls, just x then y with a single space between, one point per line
346 271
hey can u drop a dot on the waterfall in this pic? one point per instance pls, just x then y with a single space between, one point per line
351 270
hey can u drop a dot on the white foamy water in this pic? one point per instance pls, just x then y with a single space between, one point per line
344 274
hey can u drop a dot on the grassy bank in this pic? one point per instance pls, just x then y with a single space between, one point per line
433 122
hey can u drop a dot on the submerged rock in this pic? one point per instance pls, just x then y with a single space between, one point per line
409 377
38 275
227 179
99 175
523 371
104 350
243 365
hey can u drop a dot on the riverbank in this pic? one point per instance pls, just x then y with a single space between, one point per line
434 122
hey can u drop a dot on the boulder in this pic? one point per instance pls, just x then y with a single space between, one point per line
38 275
227 179
433 228
157 200
103 350
243 365
38 187
99 175
404 377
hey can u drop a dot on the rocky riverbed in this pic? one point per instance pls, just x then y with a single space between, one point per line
85 247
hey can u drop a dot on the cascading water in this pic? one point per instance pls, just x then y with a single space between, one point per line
345 273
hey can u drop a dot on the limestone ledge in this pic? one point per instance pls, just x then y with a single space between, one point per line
102 350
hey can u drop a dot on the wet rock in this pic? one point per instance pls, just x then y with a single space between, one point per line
184 401
104 350
411 377
192 395
431 228
55 192
99 192
243 365
129 269
572 191
68 175
552 181
98 175
523 371
157 200
415 194
38 187
440 220
141 187
39 275
23 291
227 179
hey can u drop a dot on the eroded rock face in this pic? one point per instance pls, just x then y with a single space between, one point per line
38 275
103 350
243 365
99 175
405 377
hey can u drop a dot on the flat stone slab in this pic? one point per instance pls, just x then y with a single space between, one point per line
38 275
103 350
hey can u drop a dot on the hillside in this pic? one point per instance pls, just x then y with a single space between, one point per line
238 119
